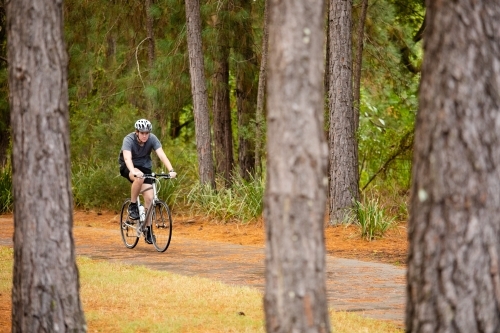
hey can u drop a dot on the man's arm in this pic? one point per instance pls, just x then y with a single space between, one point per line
127 157
165 161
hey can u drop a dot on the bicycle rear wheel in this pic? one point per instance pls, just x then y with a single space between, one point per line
128 227
161 226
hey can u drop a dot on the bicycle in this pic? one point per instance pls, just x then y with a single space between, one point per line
158 212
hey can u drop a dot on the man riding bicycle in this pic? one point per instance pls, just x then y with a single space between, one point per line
135 161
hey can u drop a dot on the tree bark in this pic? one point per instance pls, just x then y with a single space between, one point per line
259 116
295 293
45 292
358 64
4 139
454 252
5 133
223 133
199 91
344 176
150 32
246 95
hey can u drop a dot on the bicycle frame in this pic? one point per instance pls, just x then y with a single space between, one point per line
155 199
157 216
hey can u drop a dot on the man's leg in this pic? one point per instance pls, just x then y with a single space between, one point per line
136 185
135 189
147 194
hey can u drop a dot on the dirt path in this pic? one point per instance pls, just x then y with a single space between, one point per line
372 289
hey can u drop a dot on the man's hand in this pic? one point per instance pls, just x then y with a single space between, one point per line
172 173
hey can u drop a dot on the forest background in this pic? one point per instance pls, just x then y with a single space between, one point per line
129 60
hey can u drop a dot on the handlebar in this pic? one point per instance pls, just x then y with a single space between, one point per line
155 175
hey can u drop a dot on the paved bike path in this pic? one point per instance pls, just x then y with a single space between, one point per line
372 289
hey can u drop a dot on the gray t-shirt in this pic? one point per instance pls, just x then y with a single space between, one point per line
141 155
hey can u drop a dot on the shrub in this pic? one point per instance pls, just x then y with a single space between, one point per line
242 202
6 197
99 186
372 219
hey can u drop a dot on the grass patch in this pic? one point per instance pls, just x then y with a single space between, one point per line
6 198
372 218
124 298
99 186
243 202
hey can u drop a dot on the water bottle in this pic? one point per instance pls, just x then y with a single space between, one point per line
142 213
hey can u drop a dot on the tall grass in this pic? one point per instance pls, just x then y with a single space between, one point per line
372 218
6 197
99 186
242 202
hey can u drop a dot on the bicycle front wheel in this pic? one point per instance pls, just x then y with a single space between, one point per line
128 227
161 226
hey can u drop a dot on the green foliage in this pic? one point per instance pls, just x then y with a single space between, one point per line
372 219
112 83
6 198
99 186
243 202
385 140
389 93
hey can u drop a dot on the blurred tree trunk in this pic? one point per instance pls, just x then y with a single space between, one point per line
4 140
151 37
45 292
4 91
344 176
223 133
199 91
358 64
295 293
454 230
260 116
246 94
175 124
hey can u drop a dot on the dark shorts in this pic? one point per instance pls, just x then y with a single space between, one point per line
125 172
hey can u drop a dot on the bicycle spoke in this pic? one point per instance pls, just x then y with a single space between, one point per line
161 221
127 228
162 226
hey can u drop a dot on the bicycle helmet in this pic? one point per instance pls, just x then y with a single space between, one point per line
143 125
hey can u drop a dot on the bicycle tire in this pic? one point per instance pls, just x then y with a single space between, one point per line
128 232
161 226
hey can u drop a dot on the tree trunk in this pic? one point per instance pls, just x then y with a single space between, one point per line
358 64
259 116
4 144
45 292
344 177
295 293
223 134
151 37
454 252
199 91
5 133
246 95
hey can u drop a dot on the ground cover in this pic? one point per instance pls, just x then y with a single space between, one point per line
340 241
121 297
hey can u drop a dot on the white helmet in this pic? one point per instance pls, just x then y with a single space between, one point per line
143 125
